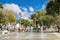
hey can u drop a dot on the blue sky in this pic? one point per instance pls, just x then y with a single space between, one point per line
36 4
27 5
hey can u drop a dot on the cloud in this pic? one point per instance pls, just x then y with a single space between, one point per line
31 9
16 9
25 14
13 7
25 9
43 6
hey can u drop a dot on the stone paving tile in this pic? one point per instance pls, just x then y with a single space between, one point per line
31 36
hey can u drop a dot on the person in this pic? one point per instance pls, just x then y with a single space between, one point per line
25 30
44 28
31 28
17 27
12 28
38 27
58 28
8 26
1 26
22 28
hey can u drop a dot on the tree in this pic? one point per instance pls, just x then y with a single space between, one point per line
6 15
1 6
10 16
33 17
40 16
58 22
1 14
53 7
25 23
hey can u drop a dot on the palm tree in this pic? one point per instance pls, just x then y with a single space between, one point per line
40 14
33 17
53 8
36 17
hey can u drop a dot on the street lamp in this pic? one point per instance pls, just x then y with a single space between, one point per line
20 17
19 21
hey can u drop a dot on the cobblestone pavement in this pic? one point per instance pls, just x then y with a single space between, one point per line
30 36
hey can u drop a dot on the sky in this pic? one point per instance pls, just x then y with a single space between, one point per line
26 7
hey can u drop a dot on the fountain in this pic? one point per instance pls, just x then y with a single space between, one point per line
42 33
31 29
17 31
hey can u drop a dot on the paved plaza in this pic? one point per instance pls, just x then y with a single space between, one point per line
31 36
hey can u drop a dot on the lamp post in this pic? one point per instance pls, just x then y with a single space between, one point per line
20 22
20 17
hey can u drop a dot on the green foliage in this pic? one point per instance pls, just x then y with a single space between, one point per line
42 18
1 6
8 17
26 23
40 12
53 7
1 16
33 16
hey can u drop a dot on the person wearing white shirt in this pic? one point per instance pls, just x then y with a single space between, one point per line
17 27
8 26
38 27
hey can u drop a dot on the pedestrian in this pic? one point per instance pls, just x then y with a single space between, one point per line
58 28
17 27
8 26
1 26
38 27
